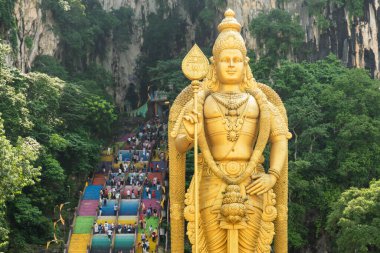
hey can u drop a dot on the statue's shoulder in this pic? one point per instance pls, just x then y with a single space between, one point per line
209 100
275 102
210 108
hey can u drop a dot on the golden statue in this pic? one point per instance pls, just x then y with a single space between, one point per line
233 204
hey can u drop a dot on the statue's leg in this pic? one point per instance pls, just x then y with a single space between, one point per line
248 237
216 238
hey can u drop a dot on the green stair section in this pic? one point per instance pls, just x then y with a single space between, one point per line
154 221
124 242
83 224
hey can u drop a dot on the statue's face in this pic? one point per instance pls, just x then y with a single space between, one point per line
230 66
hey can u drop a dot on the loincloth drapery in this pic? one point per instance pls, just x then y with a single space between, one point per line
211 187
211 196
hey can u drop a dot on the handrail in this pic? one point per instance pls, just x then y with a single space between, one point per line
81 193
116 224
74 220
89 245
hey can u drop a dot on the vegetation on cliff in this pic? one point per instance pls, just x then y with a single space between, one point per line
51 131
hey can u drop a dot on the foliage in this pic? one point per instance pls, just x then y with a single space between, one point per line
161 28
317 9
62 125
83 27
122 28
95 79
277 33
29 225
355 219
28 42
8 22
100 114
16 163
167 76
49 65
334 116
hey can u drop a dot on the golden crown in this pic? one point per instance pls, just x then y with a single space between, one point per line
229 35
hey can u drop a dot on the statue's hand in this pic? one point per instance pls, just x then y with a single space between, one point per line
261 184
189 121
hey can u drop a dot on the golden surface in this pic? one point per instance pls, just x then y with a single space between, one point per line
195 64
231 118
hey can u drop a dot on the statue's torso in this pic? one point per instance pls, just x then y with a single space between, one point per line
221 148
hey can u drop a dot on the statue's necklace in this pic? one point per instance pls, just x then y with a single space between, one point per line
233 122
231 101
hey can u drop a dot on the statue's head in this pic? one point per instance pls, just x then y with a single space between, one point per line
229 52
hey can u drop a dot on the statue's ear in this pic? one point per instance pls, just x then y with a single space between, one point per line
247 59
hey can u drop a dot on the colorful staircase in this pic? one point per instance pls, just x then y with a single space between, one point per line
78 243
84 240
100 244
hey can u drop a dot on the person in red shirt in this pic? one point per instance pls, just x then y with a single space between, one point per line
154 194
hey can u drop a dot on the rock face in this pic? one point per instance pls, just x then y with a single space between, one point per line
122 64
35 33
355 41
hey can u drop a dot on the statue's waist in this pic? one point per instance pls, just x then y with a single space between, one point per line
212 187
231 169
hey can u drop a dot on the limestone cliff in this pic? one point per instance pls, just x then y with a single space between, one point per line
122 64
353 40
35 33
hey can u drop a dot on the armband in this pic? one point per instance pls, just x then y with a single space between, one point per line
274 172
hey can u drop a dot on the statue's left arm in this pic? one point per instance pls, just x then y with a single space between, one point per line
278 156
279 143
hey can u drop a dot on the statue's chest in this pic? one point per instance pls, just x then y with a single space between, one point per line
220 118
214 108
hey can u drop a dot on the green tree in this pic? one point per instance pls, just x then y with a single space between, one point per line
66 121
167 76
334 118
355 220
100 115
49 65
16 163
17 171
277 34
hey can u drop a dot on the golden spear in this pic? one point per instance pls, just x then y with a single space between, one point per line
195 67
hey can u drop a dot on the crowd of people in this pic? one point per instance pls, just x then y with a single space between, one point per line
129 180
110 228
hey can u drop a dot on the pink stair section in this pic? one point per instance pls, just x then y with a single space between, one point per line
88 207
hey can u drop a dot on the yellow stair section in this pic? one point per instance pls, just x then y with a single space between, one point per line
106 158
79 242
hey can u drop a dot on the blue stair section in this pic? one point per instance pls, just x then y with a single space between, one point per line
92 192
126 156
129 207
108 210
100 244
124 243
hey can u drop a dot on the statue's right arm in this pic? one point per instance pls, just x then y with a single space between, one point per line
185 138
183 142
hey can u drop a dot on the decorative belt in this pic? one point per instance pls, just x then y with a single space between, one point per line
232 168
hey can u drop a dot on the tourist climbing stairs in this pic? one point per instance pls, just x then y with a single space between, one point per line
138 176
